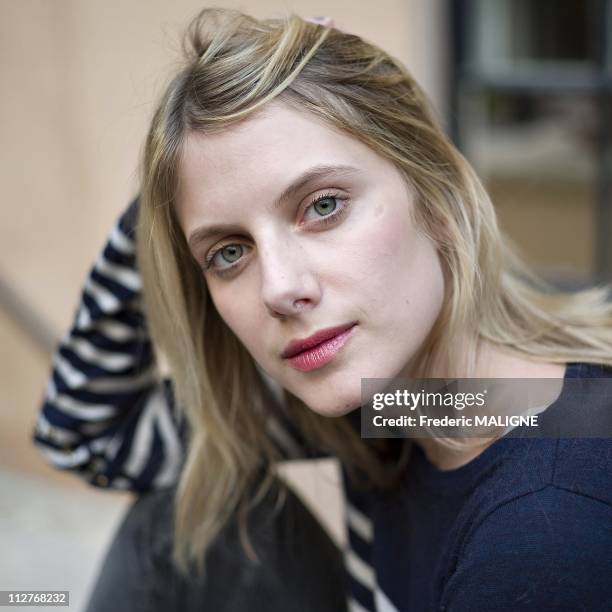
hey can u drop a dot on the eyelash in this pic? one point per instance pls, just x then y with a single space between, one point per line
333 217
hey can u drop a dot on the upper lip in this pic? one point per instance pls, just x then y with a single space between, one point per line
297 346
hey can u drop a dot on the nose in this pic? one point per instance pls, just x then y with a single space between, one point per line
289 284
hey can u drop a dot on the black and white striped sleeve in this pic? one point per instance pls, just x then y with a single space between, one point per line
106 414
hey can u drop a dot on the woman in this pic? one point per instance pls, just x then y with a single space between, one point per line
304 224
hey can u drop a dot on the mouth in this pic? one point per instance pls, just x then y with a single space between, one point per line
319 349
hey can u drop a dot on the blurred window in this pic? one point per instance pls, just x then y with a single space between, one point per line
530 108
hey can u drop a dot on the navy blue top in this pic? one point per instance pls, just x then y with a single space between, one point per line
527 525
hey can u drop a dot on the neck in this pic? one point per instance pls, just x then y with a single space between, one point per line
492 362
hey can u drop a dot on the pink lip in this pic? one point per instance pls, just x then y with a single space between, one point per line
319 349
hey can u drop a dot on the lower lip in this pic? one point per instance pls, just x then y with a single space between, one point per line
321 354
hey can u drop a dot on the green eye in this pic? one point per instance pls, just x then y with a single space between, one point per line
325 205
231 252
224 259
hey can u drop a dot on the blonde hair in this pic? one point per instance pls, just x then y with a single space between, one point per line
234 65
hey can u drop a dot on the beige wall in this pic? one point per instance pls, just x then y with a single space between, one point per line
79 82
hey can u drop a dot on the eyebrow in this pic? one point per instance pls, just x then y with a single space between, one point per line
314 173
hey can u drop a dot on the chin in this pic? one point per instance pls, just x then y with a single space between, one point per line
332 407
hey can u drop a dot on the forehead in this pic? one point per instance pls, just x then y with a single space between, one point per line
265 151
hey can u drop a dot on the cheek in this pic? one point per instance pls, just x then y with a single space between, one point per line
398 272
423 289
235 313
386 247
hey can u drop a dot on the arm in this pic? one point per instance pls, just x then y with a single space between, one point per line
106 415
548 550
